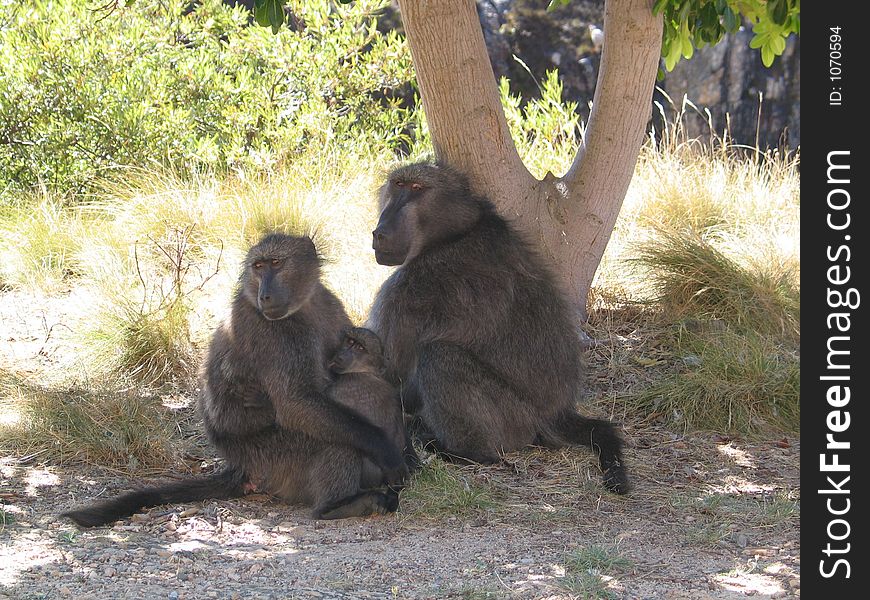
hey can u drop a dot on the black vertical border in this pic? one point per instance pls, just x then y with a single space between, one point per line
829 128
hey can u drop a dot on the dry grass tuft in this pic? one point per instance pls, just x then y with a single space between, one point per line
120 429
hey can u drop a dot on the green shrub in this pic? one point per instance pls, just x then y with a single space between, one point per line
81 97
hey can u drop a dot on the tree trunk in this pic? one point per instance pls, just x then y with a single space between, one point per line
570 218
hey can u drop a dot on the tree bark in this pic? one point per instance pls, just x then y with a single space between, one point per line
570 218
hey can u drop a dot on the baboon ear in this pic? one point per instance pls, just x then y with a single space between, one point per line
310 239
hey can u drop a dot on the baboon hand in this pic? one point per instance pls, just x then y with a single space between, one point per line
395 476
394 467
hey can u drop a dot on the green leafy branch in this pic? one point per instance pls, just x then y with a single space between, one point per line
690 24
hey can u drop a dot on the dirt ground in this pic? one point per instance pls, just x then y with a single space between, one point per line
709 517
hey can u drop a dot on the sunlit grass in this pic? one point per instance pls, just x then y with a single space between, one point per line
87 423
39 237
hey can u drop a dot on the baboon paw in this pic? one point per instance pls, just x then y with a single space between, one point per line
390 503
616 480
395 477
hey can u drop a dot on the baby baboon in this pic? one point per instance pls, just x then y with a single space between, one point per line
360 384
263 404
476 328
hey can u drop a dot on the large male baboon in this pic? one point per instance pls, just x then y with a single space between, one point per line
475 327
263 403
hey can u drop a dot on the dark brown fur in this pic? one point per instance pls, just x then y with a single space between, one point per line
263 404
360 384
475 327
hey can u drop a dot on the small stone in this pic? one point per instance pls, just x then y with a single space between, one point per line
173 595
109 572
189 512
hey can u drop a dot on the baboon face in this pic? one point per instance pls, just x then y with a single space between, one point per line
281 275
360 352
422 203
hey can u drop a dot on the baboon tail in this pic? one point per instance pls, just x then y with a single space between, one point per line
604 439
225 484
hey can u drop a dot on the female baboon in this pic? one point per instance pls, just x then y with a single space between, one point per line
263 403
475 327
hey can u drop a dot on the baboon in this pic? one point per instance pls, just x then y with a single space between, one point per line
359 383
475 327
263 404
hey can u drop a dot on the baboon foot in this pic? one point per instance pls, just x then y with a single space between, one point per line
367 503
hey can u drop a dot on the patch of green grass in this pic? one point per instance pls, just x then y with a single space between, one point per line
597 557
69 537
778 509
587 586
728 381
707 534
692 277
721 510
440 489
587 570
94 424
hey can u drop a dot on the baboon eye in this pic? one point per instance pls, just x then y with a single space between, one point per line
416 186
276 262
400 184
258 265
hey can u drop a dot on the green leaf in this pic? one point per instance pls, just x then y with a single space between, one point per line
658 7
778 44
778 11
261 14
732 22
758 41
687 48
553 5
673 54
767 56
276 14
